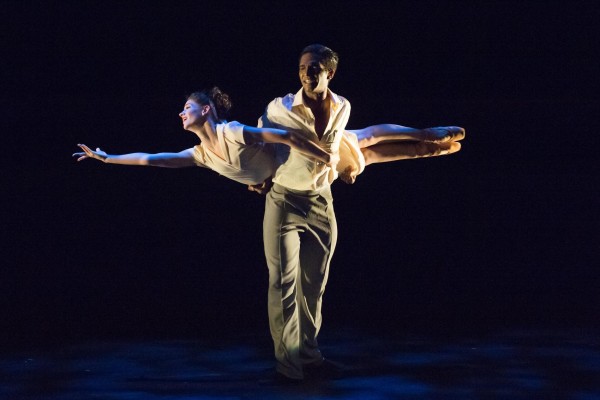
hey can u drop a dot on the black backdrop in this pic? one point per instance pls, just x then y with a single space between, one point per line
502 234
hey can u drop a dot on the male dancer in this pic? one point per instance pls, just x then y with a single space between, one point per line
299 226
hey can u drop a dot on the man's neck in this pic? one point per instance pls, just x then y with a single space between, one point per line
315 99
319 104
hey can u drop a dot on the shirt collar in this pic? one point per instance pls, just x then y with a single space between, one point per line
299 100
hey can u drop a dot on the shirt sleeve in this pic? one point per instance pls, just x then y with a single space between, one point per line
199 156
265 120
234 132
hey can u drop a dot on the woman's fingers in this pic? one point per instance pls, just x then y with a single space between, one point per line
81 156
87 153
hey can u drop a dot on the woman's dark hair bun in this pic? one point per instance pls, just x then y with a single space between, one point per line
220 100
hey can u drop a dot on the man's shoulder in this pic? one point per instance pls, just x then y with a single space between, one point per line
341 99
278 108
285 102
287 99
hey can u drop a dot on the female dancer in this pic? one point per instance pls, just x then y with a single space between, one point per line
231 149
238 151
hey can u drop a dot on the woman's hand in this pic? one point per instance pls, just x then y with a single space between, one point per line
89 153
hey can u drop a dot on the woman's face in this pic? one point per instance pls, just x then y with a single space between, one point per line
192 114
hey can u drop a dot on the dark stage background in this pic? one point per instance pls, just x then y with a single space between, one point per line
503 234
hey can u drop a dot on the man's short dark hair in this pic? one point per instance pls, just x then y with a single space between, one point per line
328 57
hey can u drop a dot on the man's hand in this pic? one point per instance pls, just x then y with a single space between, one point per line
349 175
261 188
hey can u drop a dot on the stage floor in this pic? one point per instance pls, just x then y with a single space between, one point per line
518 364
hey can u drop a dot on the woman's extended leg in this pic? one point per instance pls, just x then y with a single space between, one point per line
374 134
394 151
405 150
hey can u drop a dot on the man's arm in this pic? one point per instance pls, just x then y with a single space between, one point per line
290 138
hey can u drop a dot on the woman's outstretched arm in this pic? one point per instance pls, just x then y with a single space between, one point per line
374 134
182 159
290 138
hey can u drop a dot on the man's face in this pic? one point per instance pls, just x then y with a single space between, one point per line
313 74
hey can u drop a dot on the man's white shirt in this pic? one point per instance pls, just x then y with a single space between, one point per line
295 170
